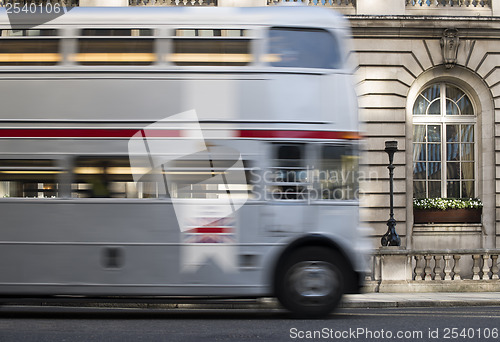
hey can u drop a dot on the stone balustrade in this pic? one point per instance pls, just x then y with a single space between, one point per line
172 2
448 3
400 270
324 3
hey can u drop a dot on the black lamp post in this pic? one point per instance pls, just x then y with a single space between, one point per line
391 238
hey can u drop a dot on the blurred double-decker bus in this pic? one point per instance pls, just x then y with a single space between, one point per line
183 152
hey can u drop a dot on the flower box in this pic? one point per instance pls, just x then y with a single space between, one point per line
447 210
447 216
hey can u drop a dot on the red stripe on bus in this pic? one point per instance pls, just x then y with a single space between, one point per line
83 133
294 134
157 133
211 230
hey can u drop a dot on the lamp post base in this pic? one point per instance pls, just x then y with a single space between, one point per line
391 238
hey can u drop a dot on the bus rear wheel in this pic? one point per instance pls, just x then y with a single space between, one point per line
310 282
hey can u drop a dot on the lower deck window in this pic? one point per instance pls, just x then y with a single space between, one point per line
289 174
103 177
337 178
29 178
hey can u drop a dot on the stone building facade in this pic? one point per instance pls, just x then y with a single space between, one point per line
428 76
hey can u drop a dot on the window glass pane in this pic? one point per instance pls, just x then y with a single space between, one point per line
467 133
419 189
453 93
465 106
468 152
218 174
453 170
211 33
28 33
435 108
432 93
451 108
419 133
452 152
420 106
453 189
103 177
289 176
434 189
419 152
115 51
419 170
303 48
468 189
434 170
458 103
467 170
434 133
234 52
29 178
117 32
338 176
434 152
452 132
29 52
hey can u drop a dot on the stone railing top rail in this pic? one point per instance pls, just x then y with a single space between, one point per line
402 251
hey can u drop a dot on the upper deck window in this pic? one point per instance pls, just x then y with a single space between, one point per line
303 48
215 47
29 47
117 32
27 33
210 33
116 47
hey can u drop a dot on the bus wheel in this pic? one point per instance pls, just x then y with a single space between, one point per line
310 282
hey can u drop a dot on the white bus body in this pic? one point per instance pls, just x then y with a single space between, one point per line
75 91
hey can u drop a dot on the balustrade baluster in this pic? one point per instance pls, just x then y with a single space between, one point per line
486 267
418 267
447 267
428 269
494 267
476 267
456 267
437 267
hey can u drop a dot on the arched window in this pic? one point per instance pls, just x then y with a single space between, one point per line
444 158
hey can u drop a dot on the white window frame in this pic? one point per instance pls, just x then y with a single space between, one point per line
442 120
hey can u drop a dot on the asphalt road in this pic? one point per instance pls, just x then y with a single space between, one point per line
25 323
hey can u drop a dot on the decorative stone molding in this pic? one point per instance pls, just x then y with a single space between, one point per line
449 47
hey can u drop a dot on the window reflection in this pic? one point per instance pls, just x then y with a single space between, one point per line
338 178
303 48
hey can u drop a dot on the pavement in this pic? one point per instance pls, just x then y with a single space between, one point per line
365 300
434 299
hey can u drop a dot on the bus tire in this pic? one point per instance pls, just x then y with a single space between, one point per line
310 282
